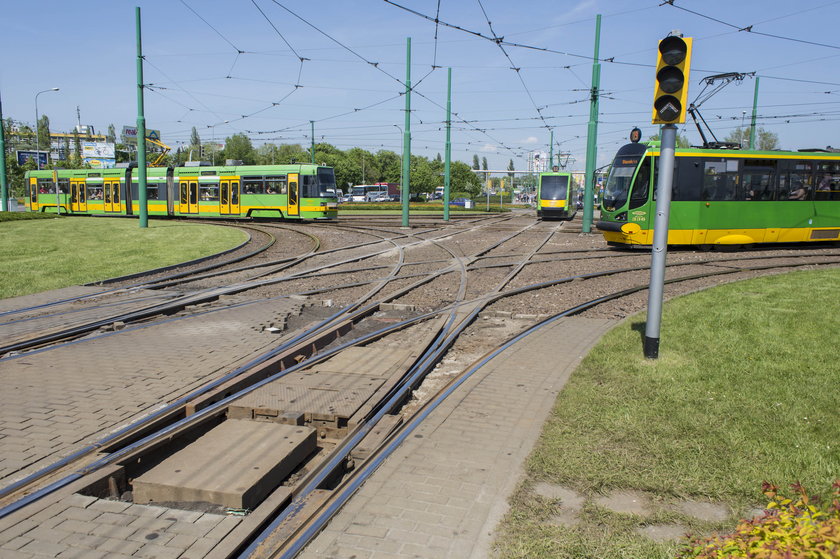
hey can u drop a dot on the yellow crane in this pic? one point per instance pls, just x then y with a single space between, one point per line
164 150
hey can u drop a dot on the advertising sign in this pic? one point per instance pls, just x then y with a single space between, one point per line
24 156
129 134
98 150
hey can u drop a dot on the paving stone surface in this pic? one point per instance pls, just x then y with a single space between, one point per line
57 401
442 493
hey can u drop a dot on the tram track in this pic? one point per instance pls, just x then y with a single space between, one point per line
448 313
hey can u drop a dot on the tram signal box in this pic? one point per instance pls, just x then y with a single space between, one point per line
670 95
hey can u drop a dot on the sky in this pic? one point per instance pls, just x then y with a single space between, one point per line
267 68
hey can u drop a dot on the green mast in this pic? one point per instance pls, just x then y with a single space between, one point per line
312 122
551 153
4 186
406 162
141 133
448 148
592 136
755 108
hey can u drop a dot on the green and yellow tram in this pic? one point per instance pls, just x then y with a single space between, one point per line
555 196
297 191
724 197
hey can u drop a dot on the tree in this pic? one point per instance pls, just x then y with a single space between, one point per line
511 168
464 179
682 140
484 163
238 147
475 162
44 135
765 140
112 134
195 141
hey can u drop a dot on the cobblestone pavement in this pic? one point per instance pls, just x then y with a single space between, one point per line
445 489
55 401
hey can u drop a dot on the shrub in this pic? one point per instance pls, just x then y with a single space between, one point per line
803 528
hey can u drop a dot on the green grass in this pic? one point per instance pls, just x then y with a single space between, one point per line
37 255
745 390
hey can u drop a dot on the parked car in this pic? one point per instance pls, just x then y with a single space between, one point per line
465 202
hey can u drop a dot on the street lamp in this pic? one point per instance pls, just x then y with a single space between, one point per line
213 138
38 153
37 146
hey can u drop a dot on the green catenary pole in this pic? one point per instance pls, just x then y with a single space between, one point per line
448 148
312 122
592 135
551 153
406 162
4 185
755 108
141 133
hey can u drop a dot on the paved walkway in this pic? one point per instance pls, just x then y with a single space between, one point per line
445 489
55 402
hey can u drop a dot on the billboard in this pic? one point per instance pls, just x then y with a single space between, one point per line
98 150
25 155
129 134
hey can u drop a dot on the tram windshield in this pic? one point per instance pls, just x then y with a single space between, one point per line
326 182
618 181
553 187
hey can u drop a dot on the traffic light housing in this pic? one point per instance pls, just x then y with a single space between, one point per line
670 95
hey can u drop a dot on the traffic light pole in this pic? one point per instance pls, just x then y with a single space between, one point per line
660 240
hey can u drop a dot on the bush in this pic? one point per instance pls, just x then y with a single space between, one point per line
802 528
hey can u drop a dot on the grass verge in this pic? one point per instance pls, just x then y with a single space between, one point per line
745 390
37 255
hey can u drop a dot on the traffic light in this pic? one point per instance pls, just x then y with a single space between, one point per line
671 90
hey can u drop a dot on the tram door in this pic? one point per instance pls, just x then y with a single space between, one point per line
229 196
293 207
78 195
189 196
111 195
33 194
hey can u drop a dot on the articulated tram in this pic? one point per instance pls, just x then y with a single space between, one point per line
555 196
724 197
297 191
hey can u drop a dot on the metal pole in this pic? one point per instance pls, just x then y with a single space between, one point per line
4 185
755 108
592 134
448 148
141 134
312 123
38 150
551 153
660 240
406 186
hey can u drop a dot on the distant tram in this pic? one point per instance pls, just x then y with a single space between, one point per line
297 191
724 197
555 196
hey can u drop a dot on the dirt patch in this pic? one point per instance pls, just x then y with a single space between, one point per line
627 502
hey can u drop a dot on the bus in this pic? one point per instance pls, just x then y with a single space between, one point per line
379 192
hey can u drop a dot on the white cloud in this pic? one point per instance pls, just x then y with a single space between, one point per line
489 148
530 140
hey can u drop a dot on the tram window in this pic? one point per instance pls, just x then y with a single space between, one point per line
796 183
759 179
827 184
641 186
209 192
275 185
64 185
309 186
234 193
253 185
720 180
676 178
94 192
46 186
152 192
690 182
